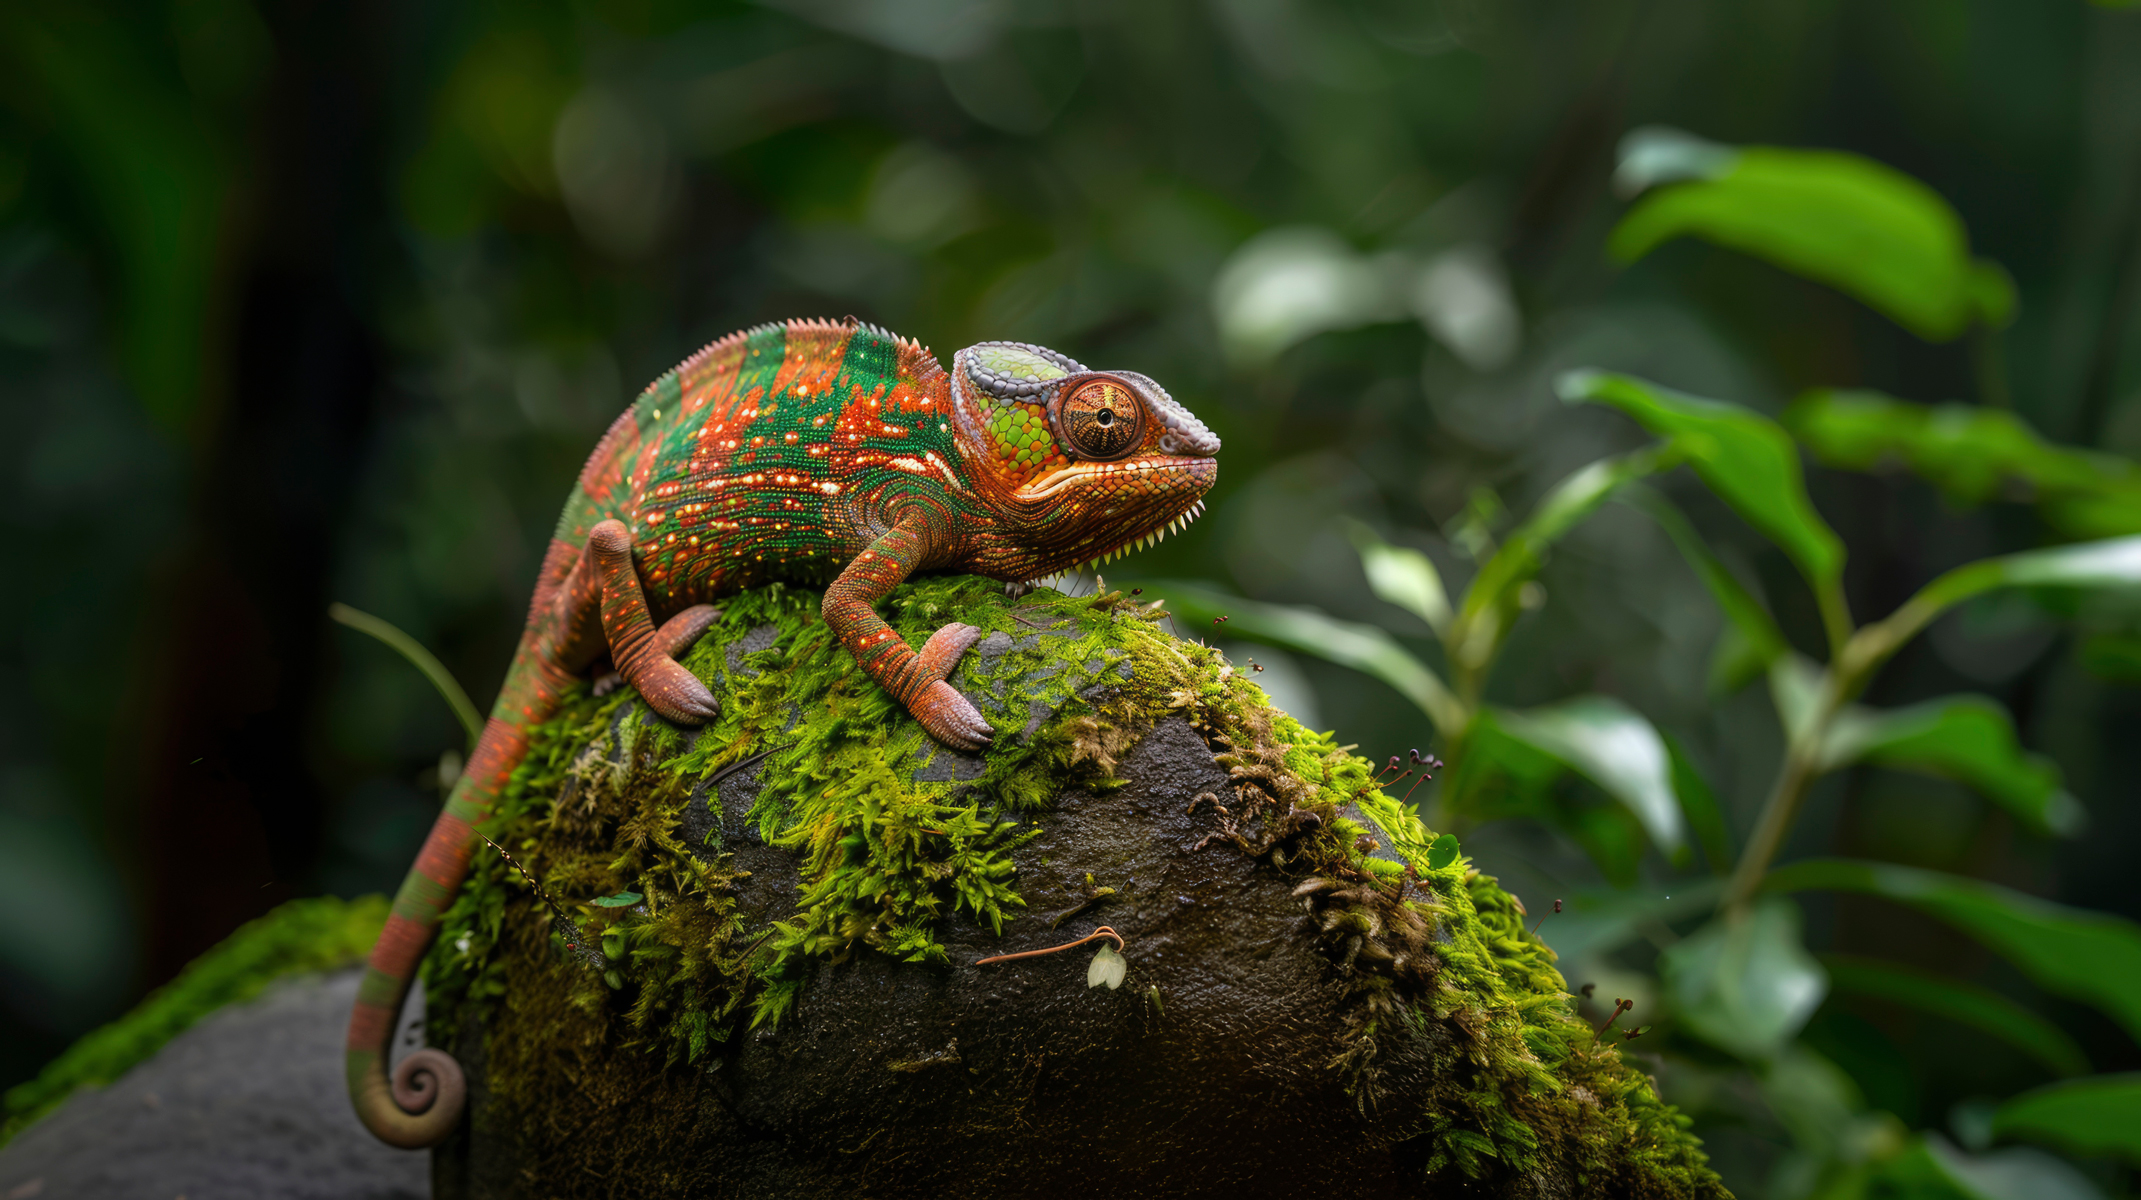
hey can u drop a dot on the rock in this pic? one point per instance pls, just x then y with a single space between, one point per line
247 1105
795 1004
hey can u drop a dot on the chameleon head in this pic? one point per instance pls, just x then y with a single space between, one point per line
1077 466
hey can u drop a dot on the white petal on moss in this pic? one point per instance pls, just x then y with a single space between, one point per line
1108 968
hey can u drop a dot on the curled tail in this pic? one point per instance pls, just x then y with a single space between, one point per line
587 596
422 1102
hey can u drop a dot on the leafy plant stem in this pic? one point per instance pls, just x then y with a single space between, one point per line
1859 655
1779 812
1835 615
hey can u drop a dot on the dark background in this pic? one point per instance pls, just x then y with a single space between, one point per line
303 302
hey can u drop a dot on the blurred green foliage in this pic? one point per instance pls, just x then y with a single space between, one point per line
1368 242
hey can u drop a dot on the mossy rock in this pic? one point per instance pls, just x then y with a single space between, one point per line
753 968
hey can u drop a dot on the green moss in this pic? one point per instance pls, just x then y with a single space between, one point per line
1439 969
302 935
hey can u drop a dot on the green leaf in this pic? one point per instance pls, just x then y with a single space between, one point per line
1972 454
1403 576
1752 640
1744 457
2087 1117
1698 803
2112 563
620 900
1364 648
1491 603
1962 1003
2113 656
1613 746
2088 956
1932 1169
1107 968
1968 739
1859 226
1744 982
1655 154
1443 851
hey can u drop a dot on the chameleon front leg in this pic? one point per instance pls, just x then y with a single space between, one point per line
916 680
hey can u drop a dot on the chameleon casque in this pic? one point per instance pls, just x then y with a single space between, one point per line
819 453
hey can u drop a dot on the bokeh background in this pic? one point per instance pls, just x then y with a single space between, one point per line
305 302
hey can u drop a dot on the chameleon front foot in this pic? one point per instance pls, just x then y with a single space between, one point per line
951 718
941 652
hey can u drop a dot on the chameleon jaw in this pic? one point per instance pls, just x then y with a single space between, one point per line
1055 481
1177 525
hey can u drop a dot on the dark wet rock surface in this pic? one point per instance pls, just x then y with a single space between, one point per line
1206 1073
247 1105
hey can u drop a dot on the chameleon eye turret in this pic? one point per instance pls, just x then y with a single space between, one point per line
1100 420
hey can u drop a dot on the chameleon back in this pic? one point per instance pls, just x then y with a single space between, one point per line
766 456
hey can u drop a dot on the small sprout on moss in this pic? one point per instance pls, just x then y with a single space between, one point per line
1152 997
1093 895
1542 920
1443 851
1619 1007
1107 967
620 900
1633 1034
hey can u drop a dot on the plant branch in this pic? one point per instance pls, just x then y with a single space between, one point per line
1779 812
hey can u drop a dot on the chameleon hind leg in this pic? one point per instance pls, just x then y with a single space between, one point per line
916 680
604 587
677 634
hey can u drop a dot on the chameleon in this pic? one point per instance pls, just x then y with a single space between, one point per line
824 454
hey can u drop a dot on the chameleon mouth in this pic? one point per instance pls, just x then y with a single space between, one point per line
1180 523
1055 481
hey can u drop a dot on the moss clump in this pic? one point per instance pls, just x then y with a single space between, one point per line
318 934
668 926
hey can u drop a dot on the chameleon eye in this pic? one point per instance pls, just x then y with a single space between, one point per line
1101 419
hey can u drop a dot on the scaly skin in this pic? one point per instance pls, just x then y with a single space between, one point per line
823 454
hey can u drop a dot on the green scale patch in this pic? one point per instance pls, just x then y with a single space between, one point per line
647 945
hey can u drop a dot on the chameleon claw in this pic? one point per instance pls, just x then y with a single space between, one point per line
951 718
676 693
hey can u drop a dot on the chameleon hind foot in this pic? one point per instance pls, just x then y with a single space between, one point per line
951 718
639 650
677 635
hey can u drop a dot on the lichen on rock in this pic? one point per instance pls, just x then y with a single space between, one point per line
780 996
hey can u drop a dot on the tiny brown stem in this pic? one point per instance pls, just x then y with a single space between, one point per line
1542 919
1102 932
540 894
1619 1007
